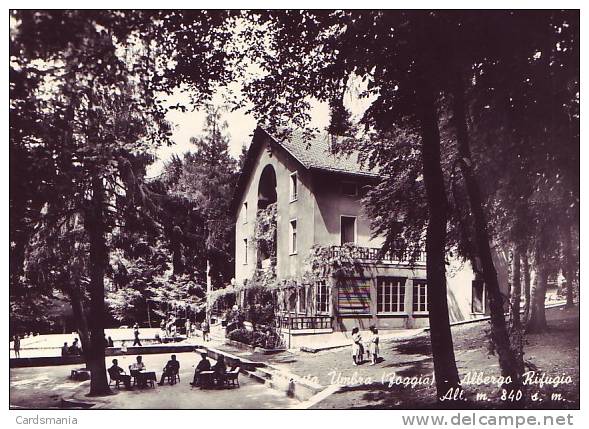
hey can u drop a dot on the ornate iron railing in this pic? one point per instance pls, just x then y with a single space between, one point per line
294 322
372 254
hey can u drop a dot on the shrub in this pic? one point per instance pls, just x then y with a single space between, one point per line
268 339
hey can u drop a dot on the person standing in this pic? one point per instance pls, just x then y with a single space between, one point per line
206 329
187 326
373 346
17 346
357 347
136 333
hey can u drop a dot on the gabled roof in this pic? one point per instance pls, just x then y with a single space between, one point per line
312 154
316 153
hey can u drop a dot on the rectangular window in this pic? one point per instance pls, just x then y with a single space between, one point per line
244 216
245 250
348 229
294 186
291 302
293 237
390 295
321 297
349 189
302 300
420 296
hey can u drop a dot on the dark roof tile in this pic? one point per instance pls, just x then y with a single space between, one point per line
316 153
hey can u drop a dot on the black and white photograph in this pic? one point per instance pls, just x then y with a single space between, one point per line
295 209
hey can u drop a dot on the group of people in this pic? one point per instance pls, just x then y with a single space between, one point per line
168 326
359 348
219 370
108 342
171 369
115 372
73 350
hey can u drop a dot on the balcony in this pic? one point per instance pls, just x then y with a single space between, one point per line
370 254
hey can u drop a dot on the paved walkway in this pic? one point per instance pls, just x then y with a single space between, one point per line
43 387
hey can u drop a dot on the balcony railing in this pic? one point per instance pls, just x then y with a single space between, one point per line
372 254
294 323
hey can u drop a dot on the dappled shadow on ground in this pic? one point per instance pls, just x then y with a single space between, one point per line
555 352
416 346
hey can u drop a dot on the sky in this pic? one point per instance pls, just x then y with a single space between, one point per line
241 125
240 129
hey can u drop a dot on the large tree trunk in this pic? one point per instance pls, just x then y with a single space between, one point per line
526 275
516 331
94 223
537 321
80 319
446 372
568 270
507 360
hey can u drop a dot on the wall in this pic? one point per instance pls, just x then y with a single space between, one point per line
331 204
302 209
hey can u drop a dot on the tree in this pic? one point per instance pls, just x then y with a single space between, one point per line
99 73
205 177
333 47
97 117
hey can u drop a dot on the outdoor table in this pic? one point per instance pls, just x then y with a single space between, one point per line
145 376
206 378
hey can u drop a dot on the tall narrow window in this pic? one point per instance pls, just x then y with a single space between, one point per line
244 211
302 300
348 229
390 295
321 297
245 250
420 296
294 186
293 237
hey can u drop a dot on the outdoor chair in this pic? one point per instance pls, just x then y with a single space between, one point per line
172 377
134 376
114 378
231 377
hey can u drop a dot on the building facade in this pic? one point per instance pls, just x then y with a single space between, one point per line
316 197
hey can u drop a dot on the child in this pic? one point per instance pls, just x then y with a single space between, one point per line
357 347
373 346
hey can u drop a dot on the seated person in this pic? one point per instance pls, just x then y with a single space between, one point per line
65 350
139 365
171 368
203 365
220 368
110 342
117 373
74 348
136 369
